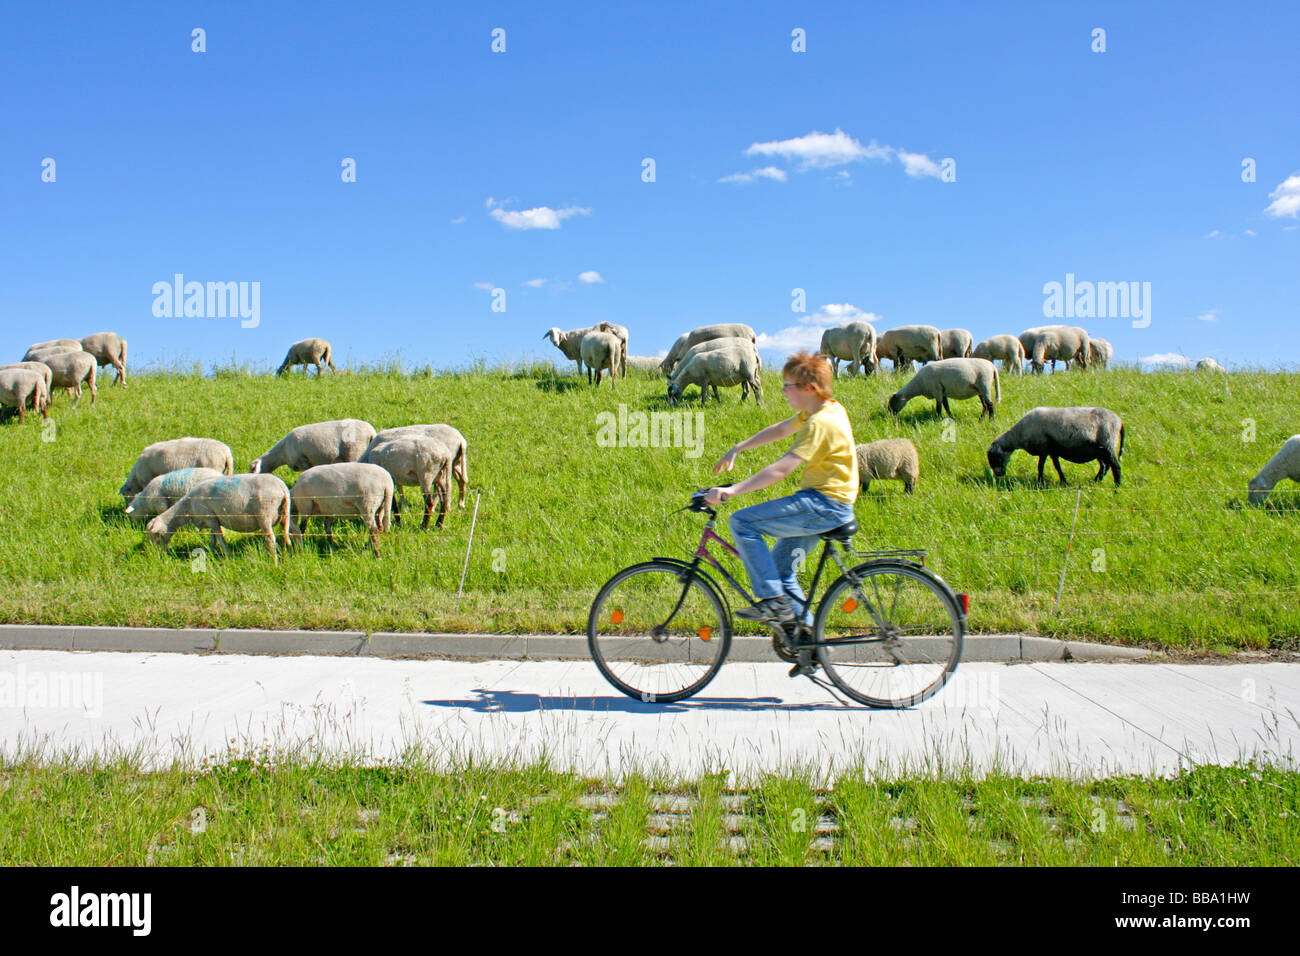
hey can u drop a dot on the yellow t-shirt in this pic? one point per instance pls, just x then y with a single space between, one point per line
826 443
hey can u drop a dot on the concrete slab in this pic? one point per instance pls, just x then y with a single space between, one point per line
37 636
344 643
183 640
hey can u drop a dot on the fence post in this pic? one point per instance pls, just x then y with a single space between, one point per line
1066 563
461 590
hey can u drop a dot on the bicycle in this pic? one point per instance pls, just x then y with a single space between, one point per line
660 630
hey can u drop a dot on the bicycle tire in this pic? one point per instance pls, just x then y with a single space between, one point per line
638 659
929 659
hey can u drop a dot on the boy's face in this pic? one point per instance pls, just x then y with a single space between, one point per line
800 399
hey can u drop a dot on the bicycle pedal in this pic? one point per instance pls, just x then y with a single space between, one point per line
803 670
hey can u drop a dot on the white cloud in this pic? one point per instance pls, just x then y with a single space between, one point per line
1251 232
535 283
539 217
767 172
1166 358
1286 198
918 164
458 220
819 150
1212 233
1211 315
590 276
485 286
807 334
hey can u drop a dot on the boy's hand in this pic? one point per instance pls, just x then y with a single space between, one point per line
726 462
714 496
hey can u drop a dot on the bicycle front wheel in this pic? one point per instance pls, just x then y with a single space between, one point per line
906 657
656 637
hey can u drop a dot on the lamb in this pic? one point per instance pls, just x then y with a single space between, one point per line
724 330
909 343
109 348
1285 464
889 458
69 369
164 491
955 343
20 387
1077 434
621 332
713 345
644 363
413 459
453 443
164 456
725 367
570 342
602 350
1100 352
345 489
244 503
853 342
1007 348
1052 342
321 443
953 378
39 367
1209 365
308 352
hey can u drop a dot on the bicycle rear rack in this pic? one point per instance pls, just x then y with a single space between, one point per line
912 555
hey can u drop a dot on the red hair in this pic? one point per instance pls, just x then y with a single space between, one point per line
809 369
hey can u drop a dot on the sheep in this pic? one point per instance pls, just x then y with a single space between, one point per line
69 369
164 456
1100 352
909 343
244 503
713 345
1052 342
109 348
321 443
35 354
163 491
39 367
955 343
725 330
602 350
453 443
953 378
1285 464
1209 365
569 343
853 342
344 489
889 458
20 387
1006 348
725 367
413 459
308 352
1077 434
644 363
621 332
56 343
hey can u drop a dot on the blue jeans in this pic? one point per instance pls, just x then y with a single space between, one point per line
795 521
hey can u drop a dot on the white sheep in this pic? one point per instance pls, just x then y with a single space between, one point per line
852 342
164 456
721 367
1004 348
1285 464
413 459
350 489
308 352
56 343
1069 343
888 459
621 332
953 378
39 367
569 343
955 343
713 345
21 387
644 363
453 443
909 343
1209 365
320 443
1078 434
69 369
600 351
109 348
1100 352
244 503
163 491
35 354
723 330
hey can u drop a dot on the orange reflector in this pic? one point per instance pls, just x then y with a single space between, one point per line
706 633
965 603
617 616
849 606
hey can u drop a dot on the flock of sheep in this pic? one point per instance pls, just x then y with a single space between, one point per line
59 363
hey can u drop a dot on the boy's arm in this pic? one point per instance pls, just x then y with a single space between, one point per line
767 476
774 432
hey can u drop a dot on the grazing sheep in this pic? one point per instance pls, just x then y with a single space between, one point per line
1077 434
109 348
413 459
21 387
69 369
321 443
349 489
713 345
308 352
644 363
1004 348
164 491
955 343
453 443
164 456
1285 464
889 458
600 351
852 342
35 354
724 330
953 378
1051 342
244 503
1100 352
38 367
56 343
725 367
569 343
1209 365
909 343
621 332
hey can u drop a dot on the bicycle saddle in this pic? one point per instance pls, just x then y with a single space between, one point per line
842 533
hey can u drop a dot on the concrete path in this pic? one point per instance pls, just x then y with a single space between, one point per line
1033 718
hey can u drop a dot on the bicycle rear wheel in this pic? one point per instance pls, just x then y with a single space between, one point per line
656 637
916 651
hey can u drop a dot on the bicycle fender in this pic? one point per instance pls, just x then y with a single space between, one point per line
708 580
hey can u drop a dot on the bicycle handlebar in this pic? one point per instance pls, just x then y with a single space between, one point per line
697 499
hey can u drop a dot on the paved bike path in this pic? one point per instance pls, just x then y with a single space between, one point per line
1034 718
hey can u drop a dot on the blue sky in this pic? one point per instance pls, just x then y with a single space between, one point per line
225 166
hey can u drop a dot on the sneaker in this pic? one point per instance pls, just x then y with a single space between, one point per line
774 610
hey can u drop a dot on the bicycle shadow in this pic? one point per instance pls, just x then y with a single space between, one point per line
513 702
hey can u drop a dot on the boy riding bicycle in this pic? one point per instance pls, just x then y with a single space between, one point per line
824 501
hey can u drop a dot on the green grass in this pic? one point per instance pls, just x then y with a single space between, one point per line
251 810
1173 558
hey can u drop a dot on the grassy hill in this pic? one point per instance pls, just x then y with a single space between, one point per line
1174 557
